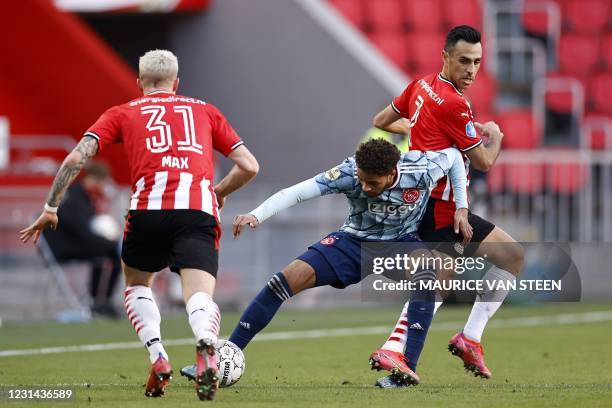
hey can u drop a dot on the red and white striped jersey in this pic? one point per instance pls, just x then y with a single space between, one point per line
169 141
440 117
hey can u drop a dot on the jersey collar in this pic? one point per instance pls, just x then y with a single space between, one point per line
397 178
441 78
158 92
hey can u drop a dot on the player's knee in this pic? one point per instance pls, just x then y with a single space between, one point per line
299 276
516 257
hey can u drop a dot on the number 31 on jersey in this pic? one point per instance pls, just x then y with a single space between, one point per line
162 142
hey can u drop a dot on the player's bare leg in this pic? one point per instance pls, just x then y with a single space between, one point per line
300 276
144 316
507 256
204 319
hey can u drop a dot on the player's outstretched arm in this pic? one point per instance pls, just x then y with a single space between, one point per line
483 157
70 168
391 121
278 202
244 170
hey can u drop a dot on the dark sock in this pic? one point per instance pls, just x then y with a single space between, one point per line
420 314
261 310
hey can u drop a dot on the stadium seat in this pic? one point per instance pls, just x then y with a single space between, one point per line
352 10
578 54
598 130
482 95
525 178
606 51
600 89
393 45
535 22
560 101
385 15
517 178
459 12
495 179
520 129
566 178
585 16
422 16
425 53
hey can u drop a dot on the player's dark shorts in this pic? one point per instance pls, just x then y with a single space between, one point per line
429 234
336 258
179 239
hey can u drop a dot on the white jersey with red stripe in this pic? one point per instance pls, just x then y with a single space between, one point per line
169 141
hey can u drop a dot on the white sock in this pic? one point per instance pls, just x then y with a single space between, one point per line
487 303
204 317
397 338
144 316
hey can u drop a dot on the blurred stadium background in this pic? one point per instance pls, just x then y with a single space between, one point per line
301 80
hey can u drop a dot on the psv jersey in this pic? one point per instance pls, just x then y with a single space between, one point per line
169 141
440 117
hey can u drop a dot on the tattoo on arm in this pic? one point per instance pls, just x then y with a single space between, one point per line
70 168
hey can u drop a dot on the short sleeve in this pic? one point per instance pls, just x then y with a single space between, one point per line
107 129
340 179
401 103
224 137
459 126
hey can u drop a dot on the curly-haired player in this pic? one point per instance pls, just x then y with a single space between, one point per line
387 194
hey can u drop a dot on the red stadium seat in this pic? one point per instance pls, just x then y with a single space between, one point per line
566 178
525 178
578 54
520 129
585 16
460 12
560 101
517 178
385 15
600 89
598 130
352 10
423 16
535 21
606 51
495 179
393 45
482 95
425 53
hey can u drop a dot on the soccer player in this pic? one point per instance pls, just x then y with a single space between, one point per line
173 217
387 194
440 117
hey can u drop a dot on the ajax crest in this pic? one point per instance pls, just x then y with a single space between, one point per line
328 240
411 195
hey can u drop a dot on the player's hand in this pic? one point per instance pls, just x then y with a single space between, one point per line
221 201
462 225
244 219
46 219
489 129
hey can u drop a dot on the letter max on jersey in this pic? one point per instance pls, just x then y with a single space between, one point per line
175 162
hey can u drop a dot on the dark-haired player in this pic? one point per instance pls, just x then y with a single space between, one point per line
440 117
387 194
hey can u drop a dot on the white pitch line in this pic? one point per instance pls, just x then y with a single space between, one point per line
561 319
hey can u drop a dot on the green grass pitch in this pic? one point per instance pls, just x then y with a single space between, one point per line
544 365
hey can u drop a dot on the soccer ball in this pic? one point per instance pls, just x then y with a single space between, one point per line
231 363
